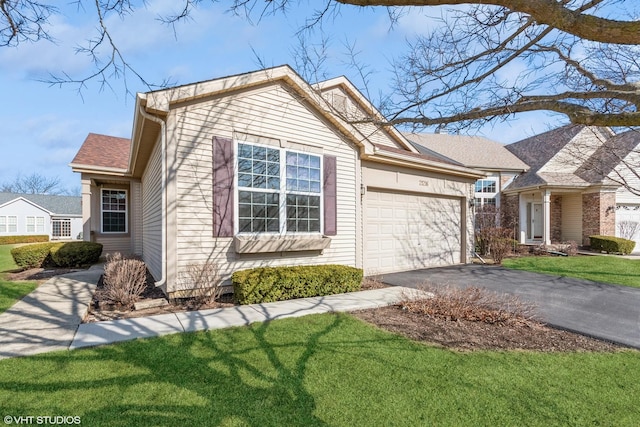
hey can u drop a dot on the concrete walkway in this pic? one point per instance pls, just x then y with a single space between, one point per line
50 317
601 310
47 319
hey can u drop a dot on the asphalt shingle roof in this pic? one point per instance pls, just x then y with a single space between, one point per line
470 151
59 205
104 151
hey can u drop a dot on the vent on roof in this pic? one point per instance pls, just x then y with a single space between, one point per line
339 102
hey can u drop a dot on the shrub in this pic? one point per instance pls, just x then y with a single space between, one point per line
124 280
570 248
12 240
266 284
75 254
34 256
612 244
474 305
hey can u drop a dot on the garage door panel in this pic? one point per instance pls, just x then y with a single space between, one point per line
421 231
629 214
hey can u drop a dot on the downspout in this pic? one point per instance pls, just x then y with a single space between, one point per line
163 191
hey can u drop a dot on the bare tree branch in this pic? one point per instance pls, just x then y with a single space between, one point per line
556 14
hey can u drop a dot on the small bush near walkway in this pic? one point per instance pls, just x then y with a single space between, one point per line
124 280
60 254
267 284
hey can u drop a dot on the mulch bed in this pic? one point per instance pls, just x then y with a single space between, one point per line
466 335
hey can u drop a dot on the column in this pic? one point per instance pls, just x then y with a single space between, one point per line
546 200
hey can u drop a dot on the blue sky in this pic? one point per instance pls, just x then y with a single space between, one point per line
43 126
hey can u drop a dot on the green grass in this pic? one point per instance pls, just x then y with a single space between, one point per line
6 260
329 369
605 269
11 292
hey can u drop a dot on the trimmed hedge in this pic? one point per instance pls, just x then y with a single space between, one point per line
75 254
59 254
612 244
12 240
33 256
267 284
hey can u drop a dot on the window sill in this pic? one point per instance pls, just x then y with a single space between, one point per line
270 244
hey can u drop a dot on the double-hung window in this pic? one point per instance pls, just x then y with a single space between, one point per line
486 192
114 211
35 224
279 190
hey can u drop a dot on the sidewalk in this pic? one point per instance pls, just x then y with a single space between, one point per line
47 318
50 317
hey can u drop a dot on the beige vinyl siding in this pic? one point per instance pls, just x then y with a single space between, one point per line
623 173
270 112
135 218
572 217
113 244
152 213
369 131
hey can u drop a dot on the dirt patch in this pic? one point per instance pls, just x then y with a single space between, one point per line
466 335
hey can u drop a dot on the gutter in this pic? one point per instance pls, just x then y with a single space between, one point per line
163 191
425 164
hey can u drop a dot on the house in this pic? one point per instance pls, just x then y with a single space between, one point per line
264 169
500 165
574 187
60 217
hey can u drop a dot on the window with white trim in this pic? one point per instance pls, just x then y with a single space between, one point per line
12 224
61 228
3 224
35 224
279 190
486 192
114 211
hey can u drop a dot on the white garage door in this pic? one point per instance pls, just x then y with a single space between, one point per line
408 231
628 223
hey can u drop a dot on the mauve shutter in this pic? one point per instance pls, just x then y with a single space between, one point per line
330 200
222 187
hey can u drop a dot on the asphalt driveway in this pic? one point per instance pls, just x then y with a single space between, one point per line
601 310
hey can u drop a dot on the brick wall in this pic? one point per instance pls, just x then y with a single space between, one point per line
509 216
556 218
598 215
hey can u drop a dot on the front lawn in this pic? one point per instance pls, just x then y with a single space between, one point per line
329 369
11 292
605 269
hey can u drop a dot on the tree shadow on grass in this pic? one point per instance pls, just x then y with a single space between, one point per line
241 376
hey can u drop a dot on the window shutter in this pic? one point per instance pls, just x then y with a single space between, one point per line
222 187
329 191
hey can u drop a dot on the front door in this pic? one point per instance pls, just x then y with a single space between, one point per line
537 220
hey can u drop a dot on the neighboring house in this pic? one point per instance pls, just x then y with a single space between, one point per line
59 217
573 189
263 169
501 166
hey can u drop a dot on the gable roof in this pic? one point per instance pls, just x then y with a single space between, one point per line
470 151
129 157
538 150
56 205
609 155
103 152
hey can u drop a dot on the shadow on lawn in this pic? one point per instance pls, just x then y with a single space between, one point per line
259 383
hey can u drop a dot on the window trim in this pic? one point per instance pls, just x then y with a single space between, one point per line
9 224
282 192
126 211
